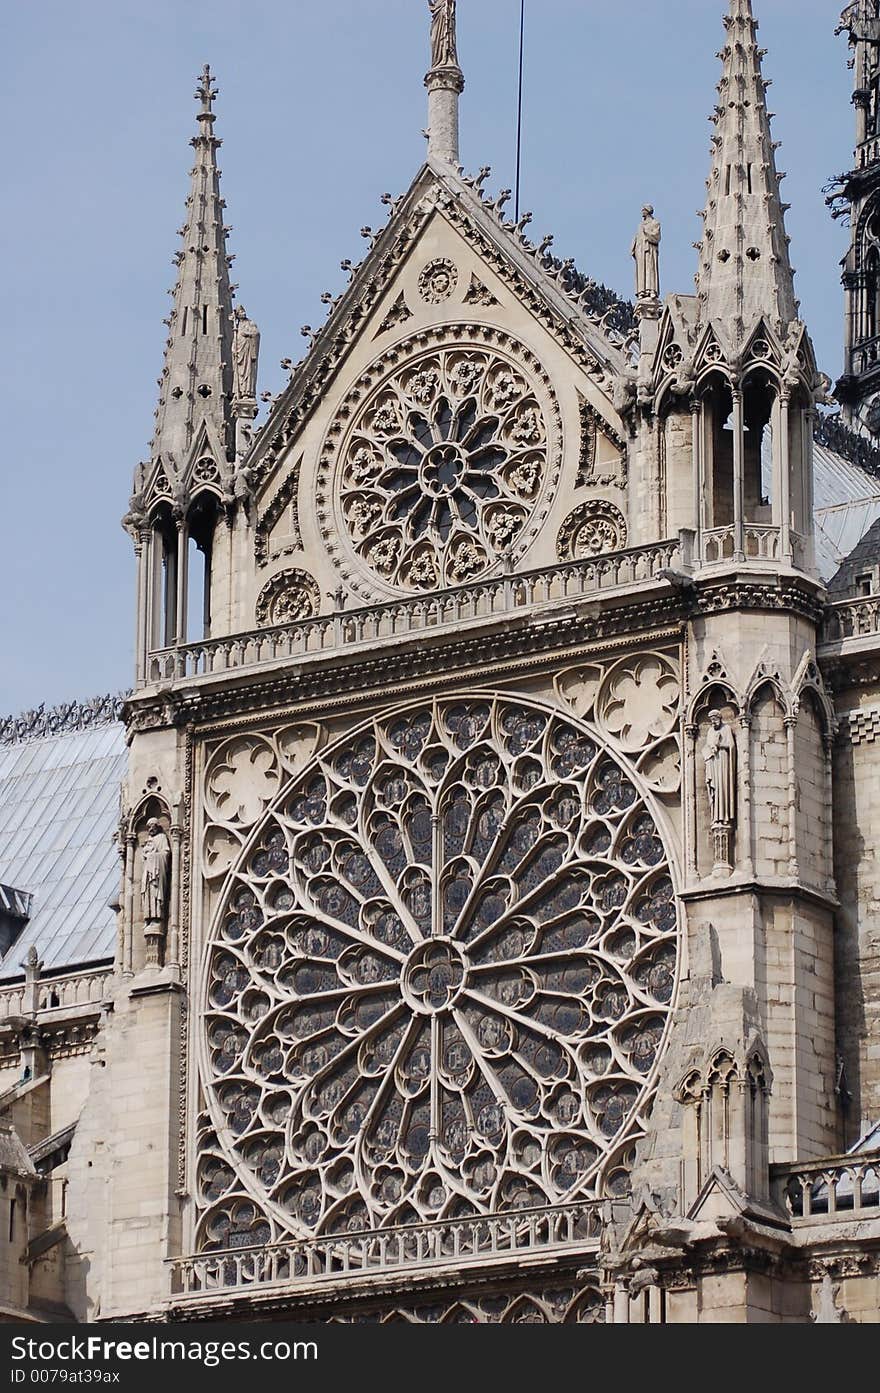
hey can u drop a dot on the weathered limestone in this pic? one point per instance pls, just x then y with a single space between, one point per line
480 953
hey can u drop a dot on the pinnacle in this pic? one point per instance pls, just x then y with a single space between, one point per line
746 273
198 353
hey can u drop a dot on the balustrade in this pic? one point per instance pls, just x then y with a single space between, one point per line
374 623
823 1190
856 618
56 993
455 1241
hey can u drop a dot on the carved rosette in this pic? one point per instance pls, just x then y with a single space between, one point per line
593 528
288 598
437 281
439 979
441 462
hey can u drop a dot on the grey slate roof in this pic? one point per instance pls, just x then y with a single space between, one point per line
847 504
863 557
59 807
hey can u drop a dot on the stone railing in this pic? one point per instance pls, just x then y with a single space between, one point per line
837 1187
574 580
454 1242
760 542
855 618
73 990
869 152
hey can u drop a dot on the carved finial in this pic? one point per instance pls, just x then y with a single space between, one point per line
206 92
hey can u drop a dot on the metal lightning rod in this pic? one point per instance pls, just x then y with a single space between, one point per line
519 102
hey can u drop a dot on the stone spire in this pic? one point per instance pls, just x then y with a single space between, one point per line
745 270
197 379
445 84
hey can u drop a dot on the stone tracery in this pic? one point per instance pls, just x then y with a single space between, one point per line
439 980
441 474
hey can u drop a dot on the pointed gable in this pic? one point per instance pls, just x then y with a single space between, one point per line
453 285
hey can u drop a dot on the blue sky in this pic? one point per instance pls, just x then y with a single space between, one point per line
321 110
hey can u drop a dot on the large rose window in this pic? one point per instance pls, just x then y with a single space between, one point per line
439 981
441 472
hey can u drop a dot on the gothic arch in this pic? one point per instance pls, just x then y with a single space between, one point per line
808 678
763 678
151 804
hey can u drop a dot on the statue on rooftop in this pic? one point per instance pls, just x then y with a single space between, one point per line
245 351
444 52
646 252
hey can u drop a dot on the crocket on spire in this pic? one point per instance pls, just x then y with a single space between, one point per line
197 377
744 271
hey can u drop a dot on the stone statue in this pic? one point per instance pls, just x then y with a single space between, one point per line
245 350
444 53
156 853
719 757
646 252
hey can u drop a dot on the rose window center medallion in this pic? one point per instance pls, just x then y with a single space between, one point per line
434 975
448 456
439 980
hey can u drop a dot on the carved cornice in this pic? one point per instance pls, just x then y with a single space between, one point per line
357 1294
518 642
798 596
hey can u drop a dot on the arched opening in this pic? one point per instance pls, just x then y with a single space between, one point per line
871 294
759 400
800 471
163 627
201 524
718 436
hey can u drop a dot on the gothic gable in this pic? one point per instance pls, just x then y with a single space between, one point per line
455 332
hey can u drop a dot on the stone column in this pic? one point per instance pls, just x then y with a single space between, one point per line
739 553
445 85
828 753
783 478
690 754
790 723
142 593
744 747
697 434
173 958
128 903
181 601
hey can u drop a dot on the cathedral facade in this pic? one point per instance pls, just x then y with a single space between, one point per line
496 937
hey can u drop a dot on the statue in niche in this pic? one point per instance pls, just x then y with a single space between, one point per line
245 351
645 251
444 53
719 759
156 853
